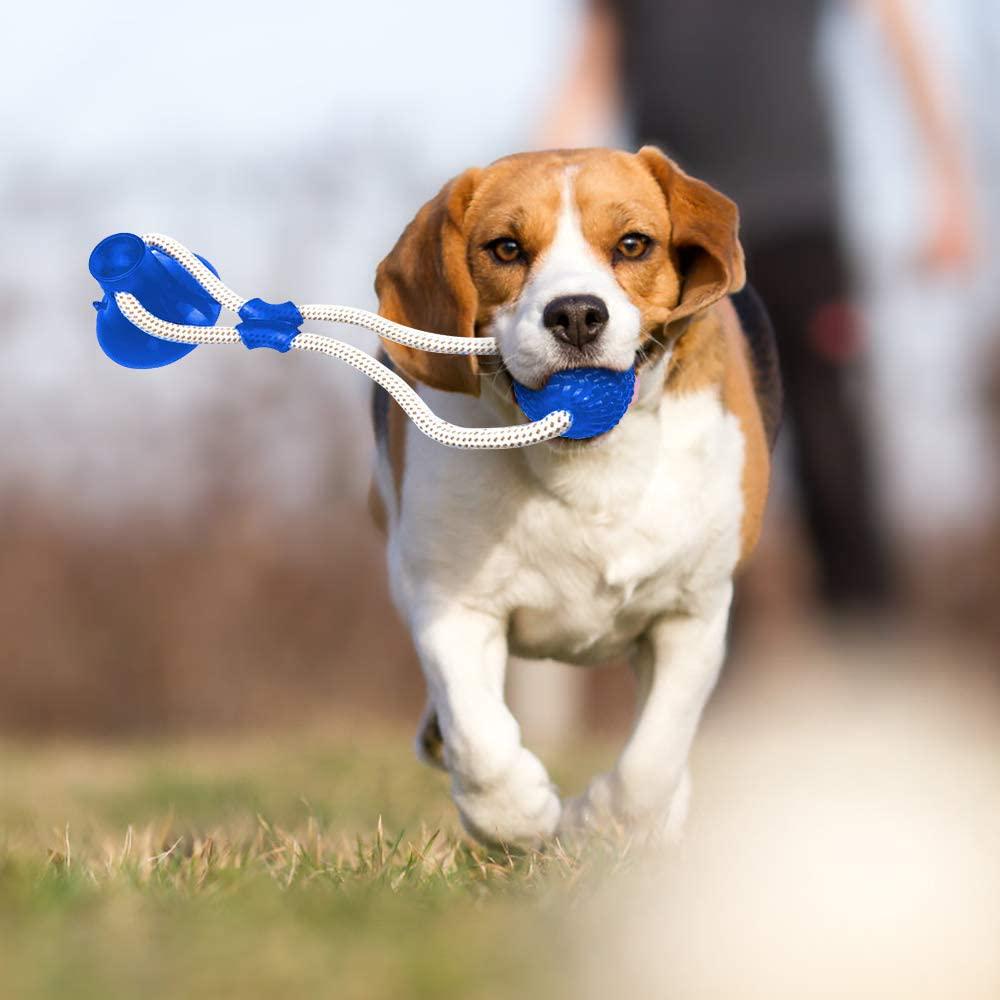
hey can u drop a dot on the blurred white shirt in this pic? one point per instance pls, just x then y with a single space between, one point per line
929 332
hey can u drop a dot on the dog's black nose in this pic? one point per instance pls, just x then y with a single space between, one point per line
576 319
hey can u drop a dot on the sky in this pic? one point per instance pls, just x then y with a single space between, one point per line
290 143
95 79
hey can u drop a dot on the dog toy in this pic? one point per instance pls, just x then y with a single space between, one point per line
161 301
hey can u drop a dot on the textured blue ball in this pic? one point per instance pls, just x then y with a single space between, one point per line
596 397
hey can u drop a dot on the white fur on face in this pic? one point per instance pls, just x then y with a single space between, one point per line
570 266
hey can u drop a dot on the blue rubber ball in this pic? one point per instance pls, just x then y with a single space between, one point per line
596 397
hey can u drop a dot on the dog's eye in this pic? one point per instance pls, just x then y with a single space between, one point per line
505 250
632 246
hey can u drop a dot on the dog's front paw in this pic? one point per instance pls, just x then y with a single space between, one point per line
609 808
592 812
519 808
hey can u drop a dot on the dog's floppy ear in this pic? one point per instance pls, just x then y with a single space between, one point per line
425 282
704 235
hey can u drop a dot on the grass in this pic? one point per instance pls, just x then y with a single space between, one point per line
319 865
842 843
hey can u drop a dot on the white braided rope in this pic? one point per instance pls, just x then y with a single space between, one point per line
218 289
516 436
134 311
436 343
426 421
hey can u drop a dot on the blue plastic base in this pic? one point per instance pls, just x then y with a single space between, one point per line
596 397
123 263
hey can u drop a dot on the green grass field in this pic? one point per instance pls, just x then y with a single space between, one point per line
844 841
319 865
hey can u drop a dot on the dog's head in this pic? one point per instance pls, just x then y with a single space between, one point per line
577 258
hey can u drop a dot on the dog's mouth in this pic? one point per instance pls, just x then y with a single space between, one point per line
595 399
537 396
495 368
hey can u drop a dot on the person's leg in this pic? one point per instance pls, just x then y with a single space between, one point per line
801 279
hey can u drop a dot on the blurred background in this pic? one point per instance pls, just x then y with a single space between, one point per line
191 548
187 553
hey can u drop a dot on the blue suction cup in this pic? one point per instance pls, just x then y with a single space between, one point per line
596 397
123 263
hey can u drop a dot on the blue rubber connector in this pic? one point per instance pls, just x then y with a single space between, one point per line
124 263
597 399
269 324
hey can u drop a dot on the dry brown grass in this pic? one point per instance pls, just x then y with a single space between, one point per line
152 627
306 864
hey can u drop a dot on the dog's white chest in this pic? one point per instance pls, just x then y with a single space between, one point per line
640 539
585 598
579 551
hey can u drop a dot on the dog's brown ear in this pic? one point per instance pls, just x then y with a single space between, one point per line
425 282
704 235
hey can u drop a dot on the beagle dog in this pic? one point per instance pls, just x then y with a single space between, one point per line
578 551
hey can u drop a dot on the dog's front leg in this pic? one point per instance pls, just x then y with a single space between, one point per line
677 664
502 791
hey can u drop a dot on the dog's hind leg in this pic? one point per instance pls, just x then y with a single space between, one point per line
429 744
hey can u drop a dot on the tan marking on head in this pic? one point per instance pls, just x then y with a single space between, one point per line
520 198
441 275
617 195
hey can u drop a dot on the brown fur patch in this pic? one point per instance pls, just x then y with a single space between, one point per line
390 439
431 740
713 351
424 283
739 396
377 508
704 237
699 354
395 446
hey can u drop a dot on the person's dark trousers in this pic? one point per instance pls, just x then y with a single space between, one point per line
801 279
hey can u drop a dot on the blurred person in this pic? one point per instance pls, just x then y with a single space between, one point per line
919 152
730 90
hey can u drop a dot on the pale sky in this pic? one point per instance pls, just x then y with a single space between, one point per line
85 81
289 142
